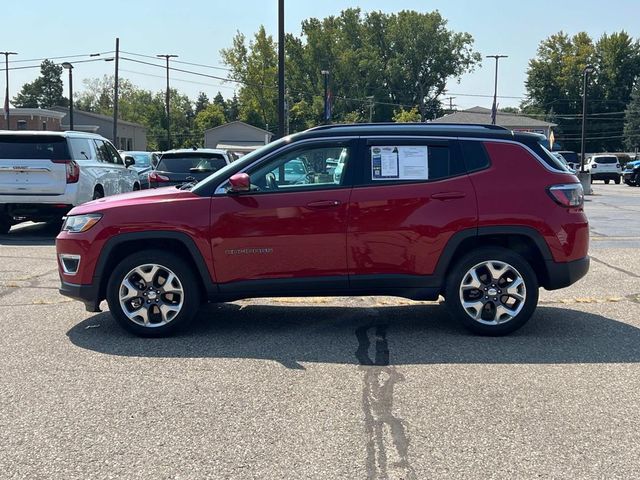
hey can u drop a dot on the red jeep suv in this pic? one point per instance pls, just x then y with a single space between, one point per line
477 214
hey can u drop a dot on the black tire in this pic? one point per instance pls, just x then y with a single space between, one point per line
136 187
184 273
98 193
617 180
606 181
458 273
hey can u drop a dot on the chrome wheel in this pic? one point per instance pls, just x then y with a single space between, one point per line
492 292
151 295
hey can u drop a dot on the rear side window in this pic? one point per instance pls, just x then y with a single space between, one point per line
82 149
546 156
34 148
606 160
475 155
409 163
191 163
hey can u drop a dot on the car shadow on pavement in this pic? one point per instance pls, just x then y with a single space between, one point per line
35 234
417 334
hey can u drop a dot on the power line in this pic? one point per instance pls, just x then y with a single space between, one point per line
182 62
60 57
177 79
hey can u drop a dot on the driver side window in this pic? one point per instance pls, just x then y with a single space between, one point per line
314 167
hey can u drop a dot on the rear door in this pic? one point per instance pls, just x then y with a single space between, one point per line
411 197
109 177
33 165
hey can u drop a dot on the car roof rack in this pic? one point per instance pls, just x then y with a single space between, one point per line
430 125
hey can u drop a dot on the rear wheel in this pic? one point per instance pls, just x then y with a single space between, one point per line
98 193
606 181
492 291
5 224
617 180
153 293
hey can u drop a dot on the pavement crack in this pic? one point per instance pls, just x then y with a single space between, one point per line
621 270
387 442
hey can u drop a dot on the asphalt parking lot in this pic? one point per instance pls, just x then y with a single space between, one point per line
370 388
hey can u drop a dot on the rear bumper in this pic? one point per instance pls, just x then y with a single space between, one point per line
605 176
87 294
560 275
35 211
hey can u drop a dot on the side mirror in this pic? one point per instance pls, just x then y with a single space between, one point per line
240 182
129 160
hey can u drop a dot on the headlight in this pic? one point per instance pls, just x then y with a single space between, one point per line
80 223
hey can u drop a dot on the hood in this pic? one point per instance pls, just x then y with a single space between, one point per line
156 196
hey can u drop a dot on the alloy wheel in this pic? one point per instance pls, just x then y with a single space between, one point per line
492 292
151 295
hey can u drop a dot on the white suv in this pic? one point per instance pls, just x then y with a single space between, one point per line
45 174
604 167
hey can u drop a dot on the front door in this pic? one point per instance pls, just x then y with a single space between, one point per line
289 232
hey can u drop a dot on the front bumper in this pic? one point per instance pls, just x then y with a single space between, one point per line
560 275
87 294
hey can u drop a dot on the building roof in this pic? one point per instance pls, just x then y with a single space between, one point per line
225 125
41 112
99 116
483 115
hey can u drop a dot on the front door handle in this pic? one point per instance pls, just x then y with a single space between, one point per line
323 204
448 195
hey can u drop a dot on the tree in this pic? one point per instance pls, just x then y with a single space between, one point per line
632 121
405 116
210 117
45 91
554 86
398 59
201 103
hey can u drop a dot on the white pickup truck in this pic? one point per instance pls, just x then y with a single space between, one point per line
45 174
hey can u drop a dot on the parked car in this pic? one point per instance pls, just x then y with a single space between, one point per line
145 163
631 173
564 162
571 158
604 167
45 174
177 167
477 214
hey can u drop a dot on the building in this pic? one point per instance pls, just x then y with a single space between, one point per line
512 121
131 136
32 119
238 137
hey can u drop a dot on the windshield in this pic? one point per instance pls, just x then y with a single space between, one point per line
187 162
142 159
238 165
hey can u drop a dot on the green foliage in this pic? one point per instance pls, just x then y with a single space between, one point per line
398 59
406 116
201 103
632 121
211 116
45 91
554 86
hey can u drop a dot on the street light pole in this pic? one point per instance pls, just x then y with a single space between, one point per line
115 95
281 68
585 76
494 108
6 93
69 67
167 57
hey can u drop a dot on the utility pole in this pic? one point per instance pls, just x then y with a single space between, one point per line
167 57
585 74
280 68
115 96
450 103
327 115
370 98
6 93
69 66
494 109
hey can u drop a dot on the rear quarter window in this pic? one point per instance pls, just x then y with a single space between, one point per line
475 155
33 148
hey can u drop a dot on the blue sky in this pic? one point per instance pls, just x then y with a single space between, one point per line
197 30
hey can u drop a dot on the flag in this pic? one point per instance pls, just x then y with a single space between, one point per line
327 109
494 113
552 140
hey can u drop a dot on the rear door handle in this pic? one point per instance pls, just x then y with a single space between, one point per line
448 195
323 204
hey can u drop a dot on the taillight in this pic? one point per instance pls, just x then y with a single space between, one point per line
618 165
594 165
156 177
72 169
567 195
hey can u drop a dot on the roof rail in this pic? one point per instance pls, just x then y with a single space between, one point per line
412 124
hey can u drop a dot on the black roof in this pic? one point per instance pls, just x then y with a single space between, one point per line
417 129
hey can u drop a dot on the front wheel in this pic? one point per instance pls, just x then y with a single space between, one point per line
492 291
153 293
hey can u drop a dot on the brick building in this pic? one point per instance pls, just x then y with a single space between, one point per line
32 119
